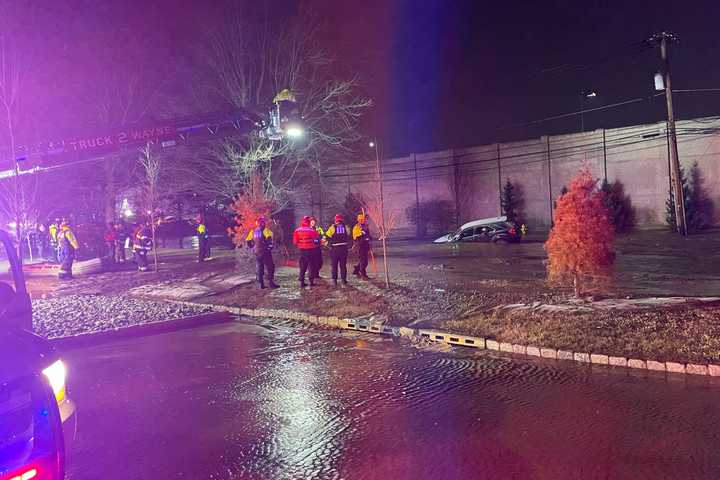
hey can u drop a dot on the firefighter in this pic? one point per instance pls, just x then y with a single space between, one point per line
307 240
141 244
110 238
338 240
260 239
203 240
361 239
121 233
67 245
53 234
318 254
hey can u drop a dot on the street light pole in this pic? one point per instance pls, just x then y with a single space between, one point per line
379 171
664 39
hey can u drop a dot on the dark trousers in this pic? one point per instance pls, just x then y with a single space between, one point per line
263 263
120 251
141 259
308 259
111 246
318 262
338 260
363 257
68 257
203 248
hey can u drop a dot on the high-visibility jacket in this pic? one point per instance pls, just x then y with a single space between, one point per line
337 235
306 238
66 239
361 234
53 230
141 240
260 240
202 231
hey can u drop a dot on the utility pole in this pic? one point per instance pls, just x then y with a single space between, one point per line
664 39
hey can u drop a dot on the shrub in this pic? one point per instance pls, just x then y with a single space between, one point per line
619 205
511 202
698 207
580 244
435 216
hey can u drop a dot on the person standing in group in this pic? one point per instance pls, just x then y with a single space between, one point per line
338 239
67 245
361 238
121 238
110 238
141 244
43 240
53 231
318 252
260 239
307 240
203 240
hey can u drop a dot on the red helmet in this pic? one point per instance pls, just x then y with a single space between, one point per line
339 218
261 220
305 222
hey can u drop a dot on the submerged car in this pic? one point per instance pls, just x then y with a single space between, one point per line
36 414
495 229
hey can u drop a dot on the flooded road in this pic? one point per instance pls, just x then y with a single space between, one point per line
280 401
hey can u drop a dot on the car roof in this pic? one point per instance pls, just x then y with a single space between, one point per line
483 221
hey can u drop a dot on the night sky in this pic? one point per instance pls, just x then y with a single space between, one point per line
442 73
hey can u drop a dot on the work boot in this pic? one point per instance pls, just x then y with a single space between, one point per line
262 286
344 281
335 281
312 282
274 285
303 284
364 276
356 271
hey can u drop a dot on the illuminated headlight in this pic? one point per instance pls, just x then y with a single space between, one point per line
55 374
294 131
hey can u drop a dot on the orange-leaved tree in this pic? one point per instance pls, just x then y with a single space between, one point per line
248 206
580 246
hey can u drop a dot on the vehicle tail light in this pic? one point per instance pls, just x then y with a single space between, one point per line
44 468
512 231
25 474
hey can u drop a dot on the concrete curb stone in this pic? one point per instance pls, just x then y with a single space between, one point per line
655 365
492 345
636 363
565 355
548 353
599 359
714 370
693 369
618 361
506 347
519 349
581 357
674 367
532 351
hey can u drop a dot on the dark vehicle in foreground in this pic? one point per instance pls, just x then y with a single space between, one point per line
496 230
36 416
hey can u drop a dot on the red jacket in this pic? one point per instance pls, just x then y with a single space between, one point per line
306 238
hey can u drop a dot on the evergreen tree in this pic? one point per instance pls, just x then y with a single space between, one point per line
622 214
511 202
698 207
580 245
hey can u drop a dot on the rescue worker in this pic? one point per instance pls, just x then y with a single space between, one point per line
203 240
318 254
53 230
67 245
338 240
121 234
307 240
361 239
141 244
110 238
260 239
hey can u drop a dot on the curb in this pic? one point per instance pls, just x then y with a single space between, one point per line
151 328
437 336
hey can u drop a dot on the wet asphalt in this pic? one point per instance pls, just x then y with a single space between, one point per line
269 400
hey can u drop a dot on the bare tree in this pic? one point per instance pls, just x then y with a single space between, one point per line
17 197
151 166
253 55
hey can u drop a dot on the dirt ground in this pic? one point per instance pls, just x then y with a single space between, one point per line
460 286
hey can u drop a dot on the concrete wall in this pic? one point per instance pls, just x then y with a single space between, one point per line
637 156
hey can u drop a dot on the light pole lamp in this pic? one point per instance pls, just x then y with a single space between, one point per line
383 230
583 95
